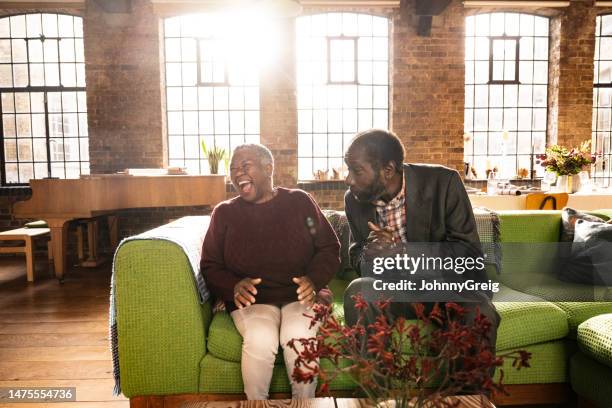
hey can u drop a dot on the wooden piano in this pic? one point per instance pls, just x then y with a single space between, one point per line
58 201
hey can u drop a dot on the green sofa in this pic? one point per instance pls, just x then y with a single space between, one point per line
171 344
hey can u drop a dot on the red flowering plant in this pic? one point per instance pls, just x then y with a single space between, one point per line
405 363
564 162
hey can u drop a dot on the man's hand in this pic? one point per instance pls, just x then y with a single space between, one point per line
306 290
245 291
381 236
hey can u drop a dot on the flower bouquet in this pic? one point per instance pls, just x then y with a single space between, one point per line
404 363
564 162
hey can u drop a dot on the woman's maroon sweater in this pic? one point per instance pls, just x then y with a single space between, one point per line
285 237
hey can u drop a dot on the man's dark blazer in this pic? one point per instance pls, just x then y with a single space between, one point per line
437 210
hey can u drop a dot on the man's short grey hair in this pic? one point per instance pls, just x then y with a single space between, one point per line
263 153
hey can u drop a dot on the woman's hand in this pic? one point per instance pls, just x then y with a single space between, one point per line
306 290
245 291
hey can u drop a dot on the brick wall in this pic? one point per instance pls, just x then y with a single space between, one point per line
577 49
554 64
124 93
428 86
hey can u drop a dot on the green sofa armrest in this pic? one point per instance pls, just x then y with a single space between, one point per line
161 324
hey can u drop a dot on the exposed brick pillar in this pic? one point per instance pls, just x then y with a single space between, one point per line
124 96
554 57
575 82
278 107
428 77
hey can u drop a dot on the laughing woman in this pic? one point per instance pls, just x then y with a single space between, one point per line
268 253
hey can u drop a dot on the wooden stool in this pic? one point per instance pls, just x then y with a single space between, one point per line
27 235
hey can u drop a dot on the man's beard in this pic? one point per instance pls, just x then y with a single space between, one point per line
372 193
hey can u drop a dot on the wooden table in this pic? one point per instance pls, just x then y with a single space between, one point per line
186 402
466 401
194 401
578 201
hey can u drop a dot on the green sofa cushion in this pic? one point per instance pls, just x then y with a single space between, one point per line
527 320
595 338
591 379
578 312
548 364
528 245
530 226
224 341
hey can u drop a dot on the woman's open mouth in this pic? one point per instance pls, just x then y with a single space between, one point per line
245 186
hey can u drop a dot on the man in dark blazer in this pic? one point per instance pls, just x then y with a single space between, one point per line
390 203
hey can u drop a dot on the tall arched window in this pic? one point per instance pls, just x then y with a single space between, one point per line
602 100
506 85
343 85
212 86
42 88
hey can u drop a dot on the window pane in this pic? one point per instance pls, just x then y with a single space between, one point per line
8 125
20 75
18 26
67 51
19 49
10 150
22 102
51 75
24 149
40 150
26 172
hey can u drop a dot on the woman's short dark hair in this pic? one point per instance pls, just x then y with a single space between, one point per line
381 147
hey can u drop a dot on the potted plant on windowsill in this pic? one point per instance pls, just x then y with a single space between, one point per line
404 364
565 164
214 155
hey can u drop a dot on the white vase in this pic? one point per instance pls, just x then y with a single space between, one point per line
568 184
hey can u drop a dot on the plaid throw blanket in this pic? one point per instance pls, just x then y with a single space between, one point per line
487 224
188 233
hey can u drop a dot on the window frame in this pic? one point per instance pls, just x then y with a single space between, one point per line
200 64
311 155
606 170
45 90
471 156
355 40
517 48
201 159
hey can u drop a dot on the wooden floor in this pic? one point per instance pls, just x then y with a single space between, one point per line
54 334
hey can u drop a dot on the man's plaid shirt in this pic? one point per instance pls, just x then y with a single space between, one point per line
393 214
